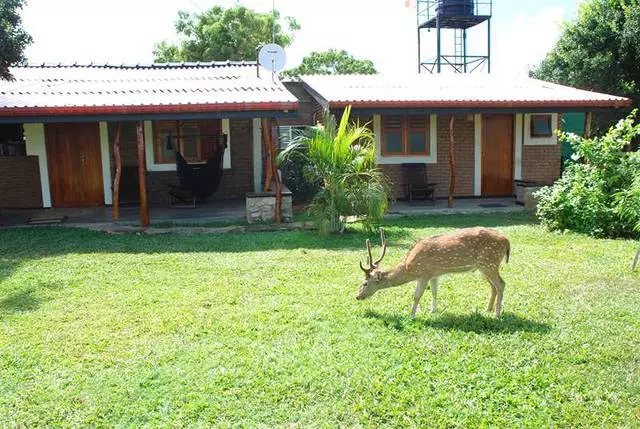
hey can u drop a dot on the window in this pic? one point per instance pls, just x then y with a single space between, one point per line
12 141
541 126
194 140
405 135
288 134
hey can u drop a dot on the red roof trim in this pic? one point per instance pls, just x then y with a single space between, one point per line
128 110
482 104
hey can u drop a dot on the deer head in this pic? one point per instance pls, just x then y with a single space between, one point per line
373 274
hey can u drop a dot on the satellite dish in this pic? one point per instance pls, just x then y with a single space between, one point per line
272 57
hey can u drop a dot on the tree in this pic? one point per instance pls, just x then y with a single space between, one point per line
221 34
599 191
13 38
342 160
331 62
599 51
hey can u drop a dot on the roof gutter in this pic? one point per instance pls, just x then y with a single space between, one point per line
480 105
25 112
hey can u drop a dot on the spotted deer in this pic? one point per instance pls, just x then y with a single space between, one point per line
468 249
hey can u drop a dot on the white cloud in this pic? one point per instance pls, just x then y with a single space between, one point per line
525 41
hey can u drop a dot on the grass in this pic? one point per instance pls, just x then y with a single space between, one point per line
263 330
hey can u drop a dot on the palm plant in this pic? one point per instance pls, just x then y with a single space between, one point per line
341 158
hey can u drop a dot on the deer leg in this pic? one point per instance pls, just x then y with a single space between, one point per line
417 295
434 295
635 260
497 288
499 285
492 298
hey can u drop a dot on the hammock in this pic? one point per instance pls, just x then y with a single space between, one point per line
201 180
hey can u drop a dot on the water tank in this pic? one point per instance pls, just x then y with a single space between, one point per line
455 7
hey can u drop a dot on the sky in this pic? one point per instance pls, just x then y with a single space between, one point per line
384 31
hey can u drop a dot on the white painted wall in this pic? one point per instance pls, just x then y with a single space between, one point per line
540 141
106 162
148 143
432 158
517 136
257 155
477 155
226 129
36 146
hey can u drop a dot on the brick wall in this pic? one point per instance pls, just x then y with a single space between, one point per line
20 182
236 181
440 173
541 163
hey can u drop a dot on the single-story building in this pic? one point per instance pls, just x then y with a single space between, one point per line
58 127
503 128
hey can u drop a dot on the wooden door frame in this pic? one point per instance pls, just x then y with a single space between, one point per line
50 133
482 148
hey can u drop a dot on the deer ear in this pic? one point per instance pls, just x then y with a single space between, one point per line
378 275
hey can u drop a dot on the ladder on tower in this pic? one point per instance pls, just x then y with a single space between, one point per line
459 61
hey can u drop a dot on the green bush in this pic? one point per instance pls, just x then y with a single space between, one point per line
298 176
599 191
341 158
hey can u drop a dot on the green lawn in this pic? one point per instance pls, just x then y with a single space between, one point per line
263 329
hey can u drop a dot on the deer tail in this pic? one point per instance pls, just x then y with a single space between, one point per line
506 256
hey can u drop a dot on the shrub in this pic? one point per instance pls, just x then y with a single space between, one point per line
599 188
298 176
341 158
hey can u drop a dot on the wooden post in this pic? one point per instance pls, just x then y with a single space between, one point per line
271 174
274 149
452 163
118 174
144 206
266 139
588 118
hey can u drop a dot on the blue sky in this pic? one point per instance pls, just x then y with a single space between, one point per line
383 31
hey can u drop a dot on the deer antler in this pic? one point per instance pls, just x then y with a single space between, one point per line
370 262
384 248
369 259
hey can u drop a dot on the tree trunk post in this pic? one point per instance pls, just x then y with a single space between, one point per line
118 173
144 205
452 163
271 171
266 139
588 118
274 149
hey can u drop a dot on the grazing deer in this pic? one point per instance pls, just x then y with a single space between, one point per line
467 249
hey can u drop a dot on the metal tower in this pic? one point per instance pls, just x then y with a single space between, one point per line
453 18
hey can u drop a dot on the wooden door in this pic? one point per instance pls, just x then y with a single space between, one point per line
75 165
497 155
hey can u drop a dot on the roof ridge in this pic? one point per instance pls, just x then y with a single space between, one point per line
185 64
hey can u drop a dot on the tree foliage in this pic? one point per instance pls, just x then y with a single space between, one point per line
342 160
600 50
221 34
331 62
13 38
599 191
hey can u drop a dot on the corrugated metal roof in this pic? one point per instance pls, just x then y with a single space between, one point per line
78 89
451 91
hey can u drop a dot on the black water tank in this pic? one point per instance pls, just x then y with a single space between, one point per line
455 7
